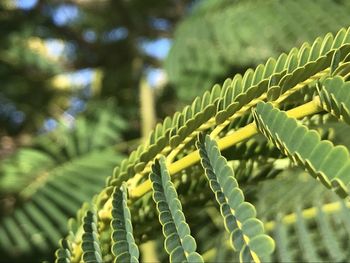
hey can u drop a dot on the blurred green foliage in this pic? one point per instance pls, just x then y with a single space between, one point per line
225 37
107 36
42 186
70 73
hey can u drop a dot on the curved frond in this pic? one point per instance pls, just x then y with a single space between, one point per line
90 239
247 232
329 163
124 247
334 95
179 243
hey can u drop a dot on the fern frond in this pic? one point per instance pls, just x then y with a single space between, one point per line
179 243
124 247
90 239
247 233
329 163
335 99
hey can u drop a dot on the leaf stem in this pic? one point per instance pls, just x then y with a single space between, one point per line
238 136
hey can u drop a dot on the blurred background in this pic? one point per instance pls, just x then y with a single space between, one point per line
82 82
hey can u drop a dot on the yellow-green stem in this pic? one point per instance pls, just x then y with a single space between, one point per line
225 142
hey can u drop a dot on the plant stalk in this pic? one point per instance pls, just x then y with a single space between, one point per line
238 136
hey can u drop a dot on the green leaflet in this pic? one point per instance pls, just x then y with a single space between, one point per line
329 163
179 243
335 98
64 253
68 245
124 247
90 241
139 158
277 77
247 232
200 111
